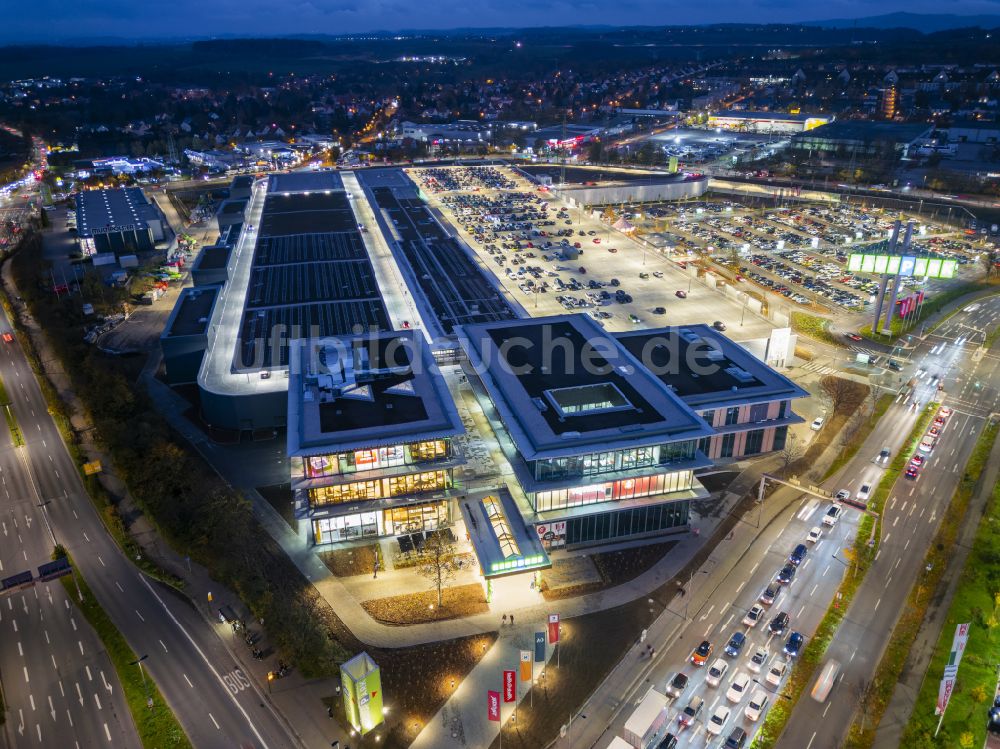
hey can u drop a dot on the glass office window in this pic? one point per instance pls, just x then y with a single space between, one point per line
415 518
732 415
347 527
727 445
422 452
755 441
780 436
416 483
758 412
357 490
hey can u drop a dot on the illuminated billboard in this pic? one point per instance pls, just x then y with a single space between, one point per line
902 265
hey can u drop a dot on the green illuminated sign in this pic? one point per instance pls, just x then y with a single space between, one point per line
902 265
361 680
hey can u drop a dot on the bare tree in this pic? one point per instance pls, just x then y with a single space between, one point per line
790 453
990 260
840 391
438 565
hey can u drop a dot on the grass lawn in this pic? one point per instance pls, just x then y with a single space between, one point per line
977 601
931 305
815 327
158 727
420 608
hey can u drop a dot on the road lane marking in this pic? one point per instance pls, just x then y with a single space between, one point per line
26 679
806 563
214 721
187 680
708 631
888 580
80 643
101 561
895 521
73 622
898 560
164 647
903 508
97 699
119 586
56 667
707 613
20 650
239 706
827 569
800 611
107 732
31 698
876 605
811 740
906 545
89 677
814 589
912 489
754 568
886 539
728 621
139 615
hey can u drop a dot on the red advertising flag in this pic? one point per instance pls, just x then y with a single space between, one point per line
553 628
509 686
493 705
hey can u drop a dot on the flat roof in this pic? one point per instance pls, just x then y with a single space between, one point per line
581 174
233 206
707 369
863 130
192 312
780 116
310 273
107 211
242 181
304 182
212 257
364 391
504 545
564 386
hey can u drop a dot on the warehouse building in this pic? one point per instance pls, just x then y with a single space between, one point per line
767 122
121 221
857 139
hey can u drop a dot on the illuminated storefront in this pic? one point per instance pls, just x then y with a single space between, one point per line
632 488
396 486
396 521
320 466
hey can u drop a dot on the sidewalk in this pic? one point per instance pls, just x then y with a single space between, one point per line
904 696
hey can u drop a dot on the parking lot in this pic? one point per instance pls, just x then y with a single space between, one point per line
798 252
553 259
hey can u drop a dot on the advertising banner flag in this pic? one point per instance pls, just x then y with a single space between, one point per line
493 705
525 665
944 694
539 647
509 686
553 628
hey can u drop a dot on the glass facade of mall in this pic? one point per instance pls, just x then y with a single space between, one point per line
594 464
394 486
633 521
338 464
396 521
610 491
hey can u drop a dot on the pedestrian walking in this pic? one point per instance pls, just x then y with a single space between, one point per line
512 620
504 620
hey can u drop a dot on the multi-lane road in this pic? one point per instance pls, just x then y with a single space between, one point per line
911 517
215 701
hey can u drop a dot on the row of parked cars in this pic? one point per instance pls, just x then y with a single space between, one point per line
927 443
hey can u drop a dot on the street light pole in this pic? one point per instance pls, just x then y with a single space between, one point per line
142 674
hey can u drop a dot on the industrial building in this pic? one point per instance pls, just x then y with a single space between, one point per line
463 131
591 186
121 221
766 122
857 139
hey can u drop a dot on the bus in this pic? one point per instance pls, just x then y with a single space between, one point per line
827 678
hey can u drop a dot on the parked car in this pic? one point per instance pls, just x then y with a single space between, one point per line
817 423
681 294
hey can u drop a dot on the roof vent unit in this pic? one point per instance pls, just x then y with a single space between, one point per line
688 335
739 374
715 354
570 435
540 404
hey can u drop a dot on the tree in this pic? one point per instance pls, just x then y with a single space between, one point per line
840 391
790 453
990 260
438 565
